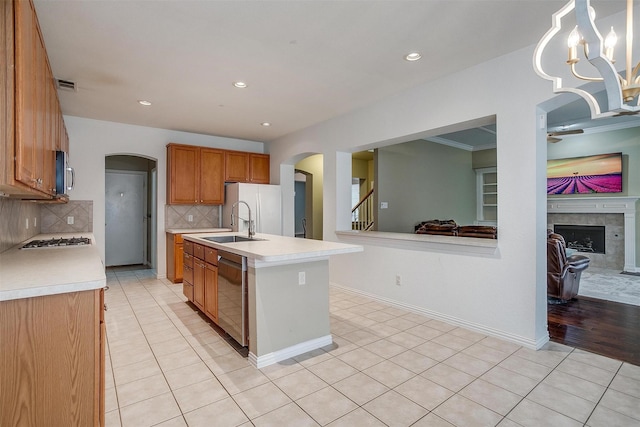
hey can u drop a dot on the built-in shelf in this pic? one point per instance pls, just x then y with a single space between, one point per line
487 196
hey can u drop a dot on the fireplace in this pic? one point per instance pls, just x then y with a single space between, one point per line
617 214
583 238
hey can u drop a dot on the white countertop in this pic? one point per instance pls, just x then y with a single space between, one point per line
48 271
195 230
277 249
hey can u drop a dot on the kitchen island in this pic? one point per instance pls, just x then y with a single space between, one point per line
288 292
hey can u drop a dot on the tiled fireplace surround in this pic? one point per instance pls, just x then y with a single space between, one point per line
617 214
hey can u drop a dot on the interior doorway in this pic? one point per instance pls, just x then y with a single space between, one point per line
130 211
125 218
300 204
311 168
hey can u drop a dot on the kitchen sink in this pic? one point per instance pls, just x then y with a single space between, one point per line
231 239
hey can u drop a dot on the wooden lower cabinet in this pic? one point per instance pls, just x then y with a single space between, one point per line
187 280
198 283
52 360
187 270
211 291
175 250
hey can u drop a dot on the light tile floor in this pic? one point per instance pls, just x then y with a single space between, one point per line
167 367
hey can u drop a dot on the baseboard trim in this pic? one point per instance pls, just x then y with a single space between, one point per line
289 352
516 339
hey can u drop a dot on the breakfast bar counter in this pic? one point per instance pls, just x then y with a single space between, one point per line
267 249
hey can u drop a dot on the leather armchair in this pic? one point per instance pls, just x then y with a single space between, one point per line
563 274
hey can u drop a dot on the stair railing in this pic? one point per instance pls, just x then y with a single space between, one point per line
362 213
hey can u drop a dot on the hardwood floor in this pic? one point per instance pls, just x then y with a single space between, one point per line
604 327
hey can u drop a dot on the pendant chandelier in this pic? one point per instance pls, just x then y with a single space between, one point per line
585 40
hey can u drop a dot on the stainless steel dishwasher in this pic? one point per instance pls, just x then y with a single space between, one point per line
232 296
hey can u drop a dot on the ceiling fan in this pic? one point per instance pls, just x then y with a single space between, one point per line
553 136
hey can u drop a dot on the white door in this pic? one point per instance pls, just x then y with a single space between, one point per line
125 217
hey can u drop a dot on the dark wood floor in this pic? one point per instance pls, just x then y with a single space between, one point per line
608 328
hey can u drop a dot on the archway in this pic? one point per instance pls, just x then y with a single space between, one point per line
130 210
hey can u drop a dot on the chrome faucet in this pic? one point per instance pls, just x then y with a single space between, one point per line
251 231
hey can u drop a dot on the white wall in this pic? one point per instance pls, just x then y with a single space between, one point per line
436 182
503 294
90 141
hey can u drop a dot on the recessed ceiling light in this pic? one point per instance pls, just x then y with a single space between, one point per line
265 124
240 85
145 103
413 56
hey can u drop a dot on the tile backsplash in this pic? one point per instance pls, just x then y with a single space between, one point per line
56 218
202 216
14 215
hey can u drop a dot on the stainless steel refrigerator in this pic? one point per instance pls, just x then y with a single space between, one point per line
266 207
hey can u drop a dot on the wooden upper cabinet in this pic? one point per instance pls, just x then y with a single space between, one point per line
236 166
195 175
211 176
32 120
25 102
259 169
182 166
247 167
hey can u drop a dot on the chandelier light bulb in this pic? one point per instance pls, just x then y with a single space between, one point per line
574 38
609 43
572 43
611 39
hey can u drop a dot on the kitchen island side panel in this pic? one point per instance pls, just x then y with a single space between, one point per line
284 313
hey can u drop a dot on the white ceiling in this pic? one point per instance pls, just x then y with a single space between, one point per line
304 61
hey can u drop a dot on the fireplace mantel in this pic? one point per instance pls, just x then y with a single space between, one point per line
623 205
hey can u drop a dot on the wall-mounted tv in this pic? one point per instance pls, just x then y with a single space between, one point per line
601 173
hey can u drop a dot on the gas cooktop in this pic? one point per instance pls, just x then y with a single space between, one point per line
56 242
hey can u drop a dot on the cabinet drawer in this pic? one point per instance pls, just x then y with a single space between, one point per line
211 255
198 251
187 290
187 274
188 247
187 261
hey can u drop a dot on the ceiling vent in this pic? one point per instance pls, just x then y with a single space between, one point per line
66 85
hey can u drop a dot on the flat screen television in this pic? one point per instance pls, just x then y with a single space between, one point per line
601 173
